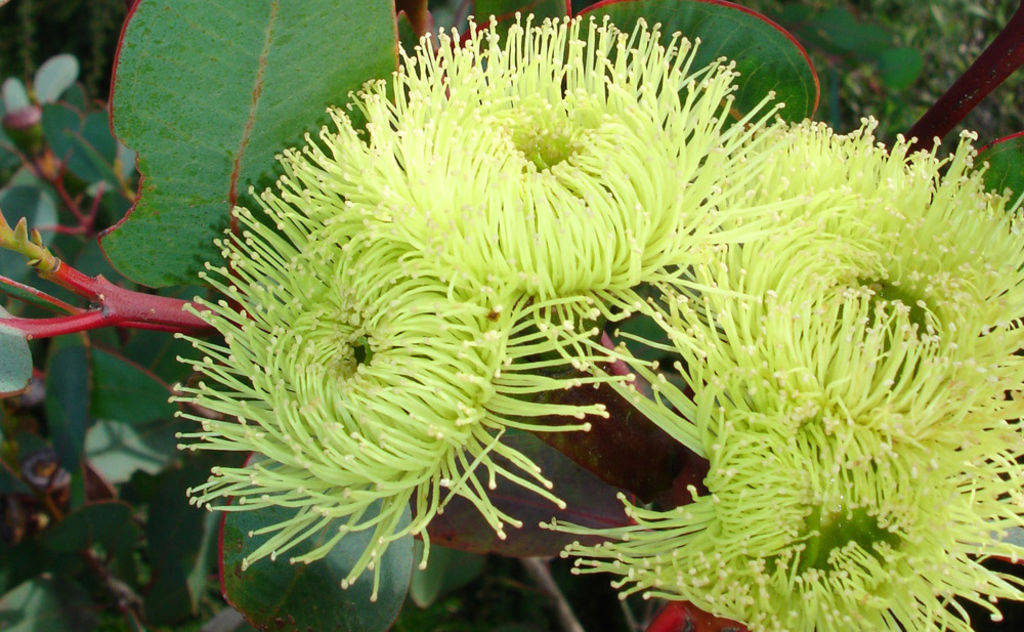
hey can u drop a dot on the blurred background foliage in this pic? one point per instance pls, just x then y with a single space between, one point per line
32 31
865 50
148 551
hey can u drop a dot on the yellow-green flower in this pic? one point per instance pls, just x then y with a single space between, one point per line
856 479
426 281
567 160
917 229
851 376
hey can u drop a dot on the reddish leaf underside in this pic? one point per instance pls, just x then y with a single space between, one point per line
590 502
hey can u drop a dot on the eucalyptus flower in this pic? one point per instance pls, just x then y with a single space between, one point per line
853 483
566 161
914 229
856 390
420 283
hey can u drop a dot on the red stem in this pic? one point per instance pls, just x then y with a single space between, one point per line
94 208
117 307
997 62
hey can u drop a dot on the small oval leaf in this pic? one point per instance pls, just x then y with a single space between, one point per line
14 95
56 75
899 67
15 359
448 570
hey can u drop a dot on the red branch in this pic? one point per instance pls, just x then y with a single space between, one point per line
115 307
1003 56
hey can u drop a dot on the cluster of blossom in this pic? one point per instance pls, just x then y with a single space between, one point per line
855 378
427 277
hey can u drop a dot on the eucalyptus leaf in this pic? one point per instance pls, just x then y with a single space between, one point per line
14 94
68 384
1005 158
276 591
208 93
15 358
767 57
117 450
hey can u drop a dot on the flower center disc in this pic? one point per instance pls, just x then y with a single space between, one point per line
835 529
886 292
545 147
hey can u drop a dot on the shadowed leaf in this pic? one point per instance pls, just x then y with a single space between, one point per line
590 502
277 594
766 56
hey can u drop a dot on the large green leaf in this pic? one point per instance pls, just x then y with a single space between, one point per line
109 524
174 536
208 92
766 56
301 597
1005 159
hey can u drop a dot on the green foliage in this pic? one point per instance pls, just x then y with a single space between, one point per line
55 605
891 59
17 364
269 591
32 31
97 528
